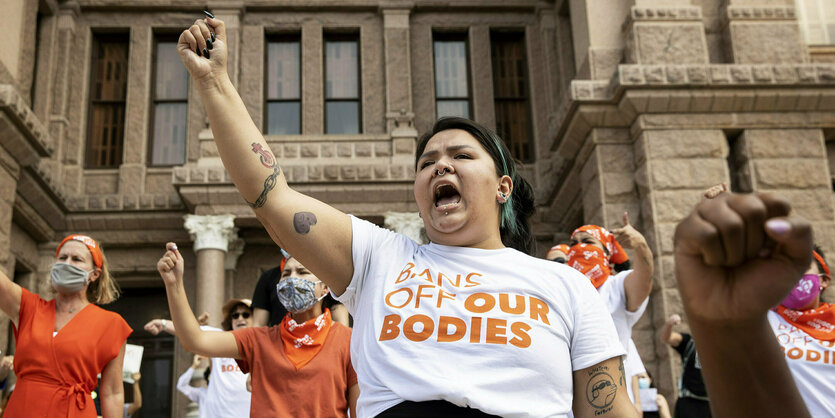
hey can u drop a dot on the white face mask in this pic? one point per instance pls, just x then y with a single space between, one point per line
643 383
67 278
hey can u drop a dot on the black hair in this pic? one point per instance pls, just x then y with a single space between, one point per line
514 224
626 265
207 372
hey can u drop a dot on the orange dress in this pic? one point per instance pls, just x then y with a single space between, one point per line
55 375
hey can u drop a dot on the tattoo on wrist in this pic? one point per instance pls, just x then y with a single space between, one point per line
267 160
302 221
602 389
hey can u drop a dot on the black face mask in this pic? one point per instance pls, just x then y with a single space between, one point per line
560 260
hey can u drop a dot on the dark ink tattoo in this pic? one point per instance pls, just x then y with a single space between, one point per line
267 160
601 391
302 221
622 374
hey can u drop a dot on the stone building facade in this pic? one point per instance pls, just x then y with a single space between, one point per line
633 105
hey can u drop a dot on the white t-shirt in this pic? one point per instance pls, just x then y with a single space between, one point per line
494 330
614 297
632 365
194 394
812 363
226 396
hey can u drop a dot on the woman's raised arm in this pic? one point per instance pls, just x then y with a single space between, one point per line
316 234
194 339
10 294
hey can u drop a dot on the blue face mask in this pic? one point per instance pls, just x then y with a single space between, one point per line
67 278
643 383
296 294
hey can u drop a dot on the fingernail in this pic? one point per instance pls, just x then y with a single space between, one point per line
778 226
213 36
209 43
206 52
209 14
197 51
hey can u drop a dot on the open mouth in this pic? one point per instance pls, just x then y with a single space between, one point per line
446 196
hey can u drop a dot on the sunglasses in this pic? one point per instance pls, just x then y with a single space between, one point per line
236 315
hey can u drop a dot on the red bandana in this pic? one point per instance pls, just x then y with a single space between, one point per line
591 261
819 323
303 341
616 253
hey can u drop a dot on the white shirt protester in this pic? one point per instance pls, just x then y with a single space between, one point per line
226 396
494 330
812 363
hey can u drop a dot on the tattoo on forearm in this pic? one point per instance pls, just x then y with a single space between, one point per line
302 221
602 389
267 160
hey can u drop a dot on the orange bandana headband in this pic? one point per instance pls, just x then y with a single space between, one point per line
616 253
821 262
92 245
561 247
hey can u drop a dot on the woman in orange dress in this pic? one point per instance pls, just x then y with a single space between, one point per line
64 343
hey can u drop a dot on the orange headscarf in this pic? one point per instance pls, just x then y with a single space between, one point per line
92 245
616 253
303 341
560 247
591 261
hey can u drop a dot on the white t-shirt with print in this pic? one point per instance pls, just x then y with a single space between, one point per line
226 396
614 297
494 330
812 363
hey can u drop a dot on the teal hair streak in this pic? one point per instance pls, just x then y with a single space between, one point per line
508 215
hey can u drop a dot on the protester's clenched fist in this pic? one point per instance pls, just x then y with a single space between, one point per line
170 266
202 48
739 255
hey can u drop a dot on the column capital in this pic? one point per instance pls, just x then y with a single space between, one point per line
211 231
407 223
236 248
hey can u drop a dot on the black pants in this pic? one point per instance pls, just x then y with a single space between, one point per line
692 408
409 409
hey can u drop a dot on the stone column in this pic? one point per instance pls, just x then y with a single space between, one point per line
211 235
236 248
313 81
9 175
673 168
762 32
791 163
406 223
598 42
396 39
132 169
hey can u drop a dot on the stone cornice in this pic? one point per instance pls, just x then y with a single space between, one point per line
697 96
662 14
758 13
32 140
